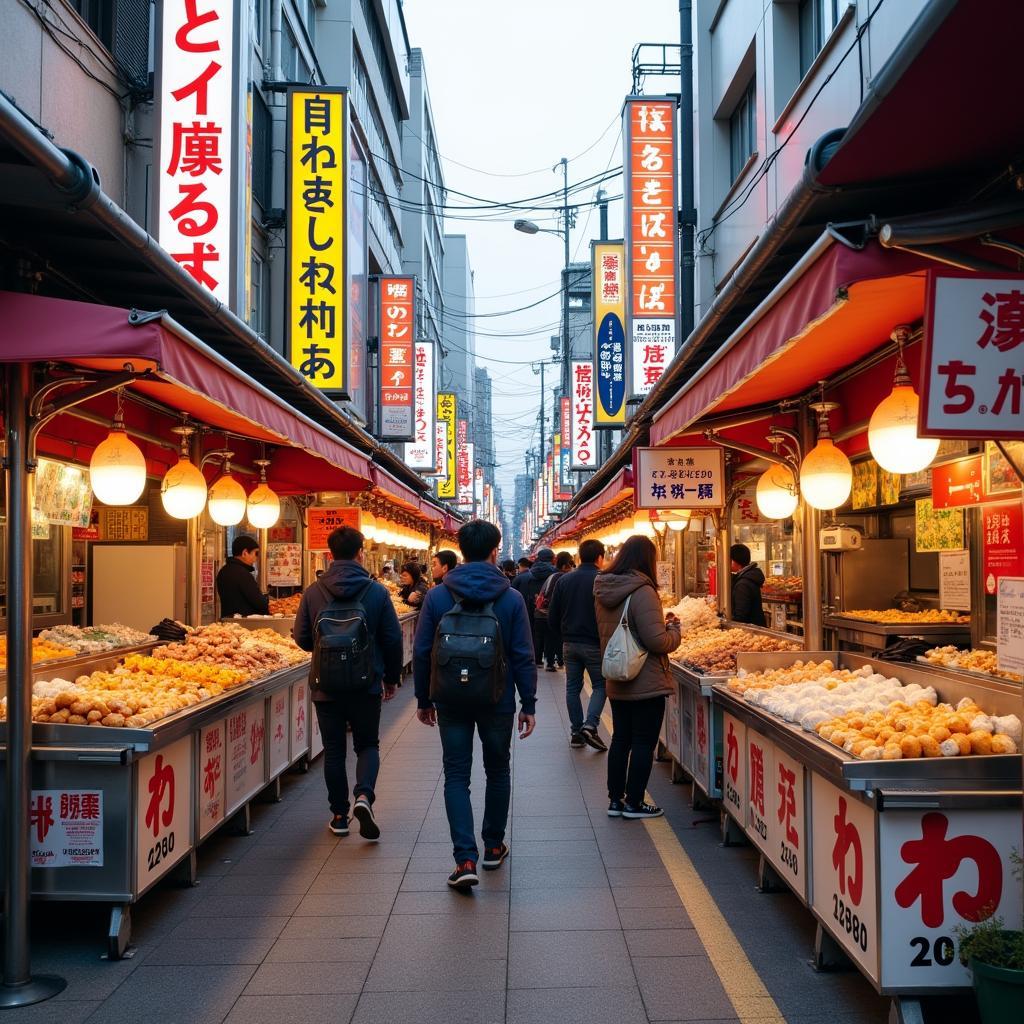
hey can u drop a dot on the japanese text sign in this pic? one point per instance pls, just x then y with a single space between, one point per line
973 357
63 494
163 822
608 276
734 778
651 245
211 776
317 262
1010 624
397 334
1002 542
955 580
446 406
463 466
679 477
565 478
581 431
421 452
958 483
66 828
324 521
195 164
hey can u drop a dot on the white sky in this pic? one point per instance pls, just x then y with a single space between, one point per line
514 87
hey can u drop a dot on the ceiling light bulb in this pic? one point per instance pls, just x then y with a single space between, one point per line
263 507
777 495
117 469
183 490
826 476
226 502
892 433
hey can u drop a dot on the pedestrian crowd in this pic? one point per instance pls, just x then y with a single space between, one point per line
483 632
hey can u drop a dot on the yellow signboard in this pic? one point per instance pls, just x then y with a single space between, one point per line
317 263
446 414
609 305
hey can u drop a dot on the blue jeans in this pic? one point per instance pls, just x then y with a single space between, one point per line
457 730
577 658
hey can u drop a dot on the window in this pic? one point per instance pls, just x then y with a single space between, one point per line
123 28
258 13
817 20
99 16
311 20
262 132
258 297
742 131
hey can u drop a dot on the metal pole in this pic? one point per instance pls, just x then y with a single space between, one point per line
566 354
810 525
193 550
262 537
542 413
687 199
19 988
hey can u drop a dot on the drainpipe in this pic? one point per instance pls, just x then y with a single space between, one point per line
275 40
687 198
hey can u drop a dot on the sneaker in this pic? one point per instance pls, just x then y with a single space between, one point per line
363 813
551 668
339 825
464 876
644 810
592 738
615 809
494 857
576 741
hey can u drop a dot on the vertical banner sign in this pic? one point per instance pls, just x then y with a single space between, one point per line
581 434
397 333
478 489
447 485
317 254
652 243
196 163
421 452
565 480
470 493
464 478
609 305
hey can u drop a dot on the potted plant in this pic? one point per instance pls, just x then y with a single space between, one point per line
995 957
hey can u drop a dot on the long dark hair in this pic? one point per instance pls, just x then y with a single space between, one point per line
638 554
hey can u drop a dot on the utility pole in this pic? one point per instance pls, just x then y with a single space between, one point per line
566 355
602 206
686 150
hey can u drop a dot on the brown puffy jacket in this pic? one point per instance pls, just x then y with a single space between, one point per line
647 622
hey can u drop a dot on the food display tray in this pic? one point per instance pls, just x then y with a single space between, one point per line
848 622
82 664
279 623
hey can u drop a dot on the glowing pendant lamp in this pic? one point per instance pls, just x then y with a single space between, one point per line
117 469
777 495
264 506
183 490
642 523
892 430
226 501
826 476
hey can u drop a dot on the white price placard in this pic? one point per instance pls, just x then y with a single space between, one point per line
66 828
1010 624
955 580
759 806
163 810
211 777
734 775
246 742
787 821
277 740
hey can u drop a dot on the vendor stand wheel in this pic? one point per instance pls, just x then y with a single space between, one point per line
906 1010
120 931
767 879
828 954
732 834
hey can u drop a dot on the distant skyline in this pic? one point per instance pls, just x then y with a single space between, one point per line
513 90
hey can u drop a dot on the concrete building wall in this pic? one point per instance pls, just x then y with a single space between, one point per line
459 360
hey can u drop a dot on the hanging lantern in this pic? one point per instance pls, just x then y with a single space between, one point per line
368 525
892 430
826 476
226 501
777 495
676 519
642 523
183 490
264 506
117 469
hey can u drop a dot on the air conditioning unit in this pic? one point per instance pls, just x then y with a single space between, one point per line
840 538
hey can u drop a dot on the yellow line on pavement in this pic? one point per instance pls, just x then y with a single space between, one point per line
747 993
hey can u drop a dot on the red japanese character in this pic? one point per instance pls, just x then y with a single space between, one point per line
40 816
1005 330
191 204
757 777
952 370
279 733
195 149
256 734
848 838
199 87
787 804
938 859
70 806
90 806
194 20
702 728
161 782
732 754
211 773
195 262
1009 388
652 374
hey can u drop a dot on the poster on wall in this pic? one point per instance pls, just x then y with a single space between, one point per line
62 494
284 565
938 530
1002 543
322 522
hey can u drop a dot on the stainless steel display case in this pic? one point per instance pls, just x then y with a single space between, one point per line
862 635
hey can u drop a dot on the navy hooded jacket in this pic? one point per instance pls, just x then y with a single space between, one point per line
344 579
480 582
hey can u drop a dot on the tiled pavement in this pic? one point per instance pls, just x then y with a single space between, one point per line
581 926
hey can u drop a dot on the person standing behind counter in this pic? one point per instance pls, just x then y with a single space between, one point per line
236 583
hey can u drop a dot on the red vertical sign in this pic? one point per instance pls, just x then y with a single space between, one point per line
397 334
1003 542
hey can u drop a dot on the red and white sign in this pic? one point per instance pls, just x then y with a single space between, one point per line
478 487
649 160
163 811
973 382
300 718
397 335
702 741
422 452
246 753
211 778
463 467
760 776
671 732
675 478
787 821
66 828
958 483
277 738
581 430
196 164
843 854
734 774
942 871
1002 542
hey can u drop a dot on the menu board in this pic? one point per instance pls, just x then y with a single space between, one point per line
284 565
324 521
124 524
62 494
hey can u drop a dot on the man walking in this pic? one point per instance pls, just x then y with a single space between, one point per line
571 616
530 587
348 589
472 596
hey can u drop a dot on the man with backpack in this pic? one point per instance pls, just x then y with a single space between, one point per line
349 623
529 585
551 647
471 654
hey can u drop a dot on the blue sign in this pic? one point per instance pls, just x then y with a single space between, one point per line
611 372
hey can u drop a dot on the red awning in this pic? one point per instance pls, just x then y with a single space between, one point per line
618 488
841 308
184 375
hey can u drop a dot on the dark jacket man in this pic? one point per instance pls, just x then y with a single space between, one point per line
236 583
571 612
746 595
343 580
480 581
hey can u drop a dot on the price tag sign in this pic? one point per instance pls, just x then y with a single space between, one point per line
955 580
1010 628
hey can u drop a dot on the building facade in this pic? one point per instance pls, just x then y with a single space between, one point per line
458 361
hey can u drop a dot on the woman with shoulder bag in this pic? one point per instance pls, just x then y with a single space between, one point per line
626 596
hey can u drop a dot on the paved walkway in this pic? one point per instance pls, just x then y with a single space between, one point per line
592 920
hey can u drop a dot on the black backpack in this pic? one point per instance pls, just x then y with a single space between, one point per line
342 646
467 662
